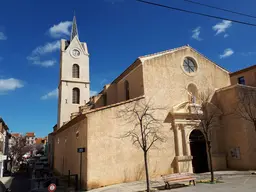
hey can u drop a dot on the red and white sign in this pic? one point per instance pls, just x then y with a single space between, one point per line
52 187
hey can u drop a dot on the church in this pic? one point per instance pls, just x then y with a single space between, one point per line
171 79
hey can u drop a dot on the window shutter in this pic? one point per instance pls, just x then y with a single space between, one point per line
76 96
75 71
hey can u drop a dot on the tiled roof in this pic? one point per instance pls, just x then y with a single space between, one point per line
30 134
16 134
39 140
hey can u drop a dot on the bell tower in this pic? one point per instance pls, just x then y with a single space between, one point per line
74 82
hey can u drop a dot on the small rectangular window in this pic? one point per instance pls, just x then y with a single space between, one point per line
241 80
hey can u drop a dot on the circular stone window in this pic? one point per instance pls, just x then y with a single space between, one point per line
189 65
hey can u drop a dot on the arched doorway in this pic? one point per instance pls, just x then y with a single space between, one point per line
198 151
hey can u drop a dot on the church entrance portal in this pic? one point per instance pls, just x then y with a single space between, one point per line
198 151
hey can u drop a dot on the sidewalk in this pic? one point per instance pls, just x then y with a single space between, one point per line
6 181
20 182
157 182
220 174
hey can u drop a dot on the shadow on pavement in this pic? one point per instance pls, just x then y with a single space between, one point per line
20 182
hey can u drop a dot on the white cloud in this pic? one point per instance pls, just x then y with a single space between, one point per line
10 84
43 50
92 93
50 95
61 29
226 35
222 26
2 36
46 63
36 61
196 33
227 53
47 48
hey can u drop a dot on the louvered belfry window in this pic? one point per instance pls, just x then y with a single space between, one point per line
75 71
76 96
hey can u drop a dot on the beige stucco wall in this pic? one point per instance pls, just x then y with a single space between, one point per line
67 61
67 82
135 79
166 82
115 160
219 162
66 105
116 91
249 76
111 92
237 132
166 72
65 152
99 102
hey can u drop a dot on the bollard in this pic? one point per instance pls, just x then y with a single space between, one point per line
76 181
68 178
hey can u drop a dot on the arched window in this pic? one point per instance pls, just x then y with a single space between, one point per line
75 71
127 90
76 96
192 93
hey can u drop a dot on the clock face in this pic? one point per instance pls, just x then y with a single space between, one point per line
75 52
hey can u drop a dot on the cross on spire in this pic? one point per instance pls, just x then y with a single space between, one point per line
74 30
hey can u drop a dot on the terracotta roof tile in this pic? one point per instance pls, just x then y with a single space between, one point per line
16 134
39 140
30 134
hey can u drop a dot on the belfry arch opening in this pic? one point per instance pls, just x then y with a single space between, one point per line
198 151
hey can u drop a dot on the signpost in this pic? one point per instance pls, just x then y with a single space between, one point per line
81 150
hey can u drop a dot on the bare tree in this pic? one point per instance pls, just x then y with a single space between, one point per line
208 113
39 148
246 106
145 129
19 148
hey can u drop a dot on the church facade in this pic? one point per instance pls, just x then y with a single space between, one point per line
170 79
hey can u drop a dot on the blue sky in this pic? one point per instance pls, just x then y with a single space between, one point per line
117 32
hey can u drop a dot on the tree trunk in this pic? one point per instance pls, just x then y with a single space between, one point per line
210 160
146 170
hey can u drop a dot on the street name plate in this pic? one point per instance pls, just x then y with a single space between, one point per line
81 150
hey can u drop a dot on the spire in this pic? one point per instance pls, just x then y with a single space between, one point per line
74 30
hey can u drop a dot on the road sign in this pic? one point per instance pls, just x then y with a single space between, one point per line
52 187
81 150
